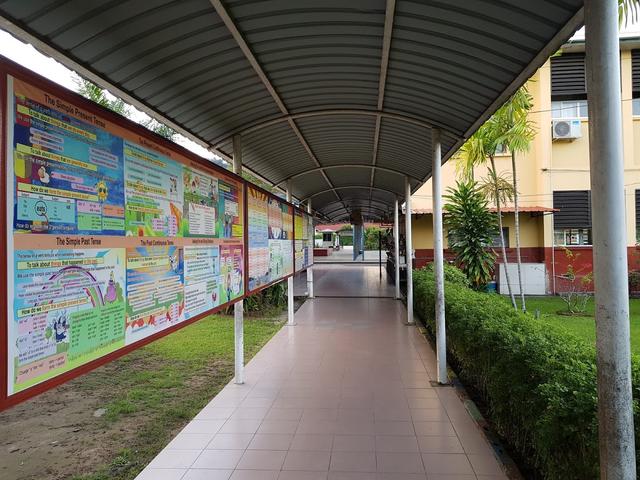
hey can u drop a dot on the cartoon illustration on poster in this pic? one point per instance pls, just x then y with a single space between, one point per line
68 172
154 193
200 203
258 238
201 279
68 310
229 210
231 268
155 293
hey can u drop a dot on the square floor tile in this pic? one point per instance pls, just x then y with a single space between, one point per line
403 476
307 461
190 441
394 428
278 426
353 461
354 443
396 443
175 459
203 426
271 441
218 459
429 415
255 475
318 443
241 425
399 462
451 464
439 444
284 414
207 474
434 428
298 475
262 460
230 441
351 476
161 474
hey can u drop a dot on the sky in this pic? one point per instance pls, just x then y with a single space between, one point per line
29 57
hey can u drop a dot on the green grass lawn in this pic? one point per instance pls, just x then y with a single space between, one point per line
583 327
163 385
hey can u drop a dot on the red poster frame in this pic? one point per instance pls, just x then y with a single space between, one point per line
7 68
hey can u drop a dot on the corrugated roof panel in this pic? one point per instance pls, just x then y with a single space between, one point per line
218 68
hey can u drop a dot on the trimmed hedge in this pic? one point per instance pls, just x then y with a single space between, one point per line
538 382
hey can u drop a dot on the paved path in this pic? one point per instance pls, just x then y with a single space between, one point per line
345 280
343 395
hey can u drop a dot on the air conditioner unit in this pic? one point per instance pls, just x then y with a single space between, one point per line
569 129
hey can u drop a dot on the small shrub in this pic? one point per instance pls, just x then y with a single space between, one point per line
634 280
538 382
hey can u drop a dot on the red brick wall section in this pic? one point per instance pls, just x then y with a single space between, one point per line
582 261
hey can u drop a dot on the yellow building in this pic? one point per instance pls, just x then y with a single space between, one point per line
553 177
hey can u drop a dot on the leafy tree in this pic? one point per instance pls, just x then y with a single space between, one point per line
98 95
159 128
480 147
517 132
471 227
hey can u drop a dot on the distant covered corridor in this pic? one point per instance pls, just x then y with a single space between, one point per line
345 394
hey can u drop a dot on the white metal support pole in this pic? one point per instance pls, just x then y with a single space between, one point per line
409 254
438 258
310 269
238 307
396 245
615 413
615 404
290 311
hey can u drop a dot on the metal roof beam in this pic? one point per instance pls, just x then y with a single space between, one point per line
411 119
253 61
347 187
347 165
384 66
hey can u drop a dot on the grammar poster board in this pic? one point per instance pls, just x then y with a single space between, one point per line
114 236
304 233
270 239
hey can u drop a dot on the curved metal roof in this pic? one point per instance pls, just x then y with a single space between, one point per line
337 96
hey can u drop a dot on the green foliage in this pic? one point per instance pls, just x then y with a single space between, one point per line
98 95
471 227
159 128
452 274
268 301
371 238
537 380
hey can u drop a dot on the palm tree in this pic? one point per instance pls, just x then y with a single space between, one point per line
481 146
517 134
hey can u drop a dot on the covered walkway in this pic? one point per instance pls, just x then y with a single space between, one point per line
344 394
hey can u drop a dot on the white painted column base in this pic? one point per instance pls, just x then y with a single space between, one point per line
310 282
290 310
238 324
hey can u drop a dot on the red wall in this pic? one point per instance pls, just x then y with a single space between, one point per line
582 261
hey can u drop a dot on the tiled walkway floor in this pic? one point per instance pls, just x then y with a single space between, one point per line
346 280
343 395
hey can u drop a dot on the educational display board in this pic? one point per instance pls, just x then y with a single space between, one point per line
304 233
270 241
112 236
